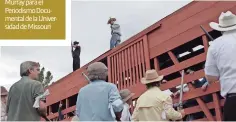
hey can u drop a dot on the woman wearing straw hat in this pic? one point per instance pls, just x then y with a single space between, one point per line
115 32
155 105
221 62
4 94
126 96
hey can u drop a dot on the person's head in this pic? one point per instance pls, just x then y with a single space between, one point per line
152 79
30 69
76 43
4 94
126 96
111 21
97 71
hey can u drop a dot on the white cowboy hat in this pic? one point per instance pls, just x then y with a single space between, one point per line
227 22
151 76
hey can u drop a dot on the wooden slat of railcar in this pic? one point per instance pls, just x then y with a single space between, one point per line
123 69
195 109
139 60
142 58
114 65
202 105
119 70
217 106
206 15
112 69
183 37
202 119
187 63
146 52
205 109
136 63
115 69
129 66
132 64
205 43
173 57
156 64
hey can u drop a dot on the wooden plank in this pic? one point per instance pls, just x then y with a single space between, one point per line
197 108
156 64
205 109
205 43
133 65
109 68
65 111
146 52
115 69
187 63
204 16
123 69
217 105
136 63
129 67
142 58
198 92
181 38
126 69
202 119
139 60
120 71
185 13
173 57
187 78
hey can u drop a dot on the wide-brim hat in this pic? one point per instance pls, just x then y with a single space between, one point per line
3 91
75 43
126 94
111 19
227 22
151 76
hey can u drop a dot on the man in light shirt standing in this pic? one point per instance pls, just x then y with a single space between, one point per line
155 105
221 62
126 96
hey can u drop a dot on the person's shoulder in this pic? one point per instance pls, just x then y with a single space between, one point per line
111 85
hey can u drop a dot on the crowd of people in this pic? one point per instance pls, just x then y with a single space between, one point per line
102 101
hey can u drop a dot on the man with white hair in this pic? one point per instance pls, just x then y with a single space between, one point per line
221 62
22 95
99 100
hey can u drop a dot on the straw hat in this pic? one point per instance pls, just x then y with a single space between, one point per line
126 94
3 91
227 22
151 76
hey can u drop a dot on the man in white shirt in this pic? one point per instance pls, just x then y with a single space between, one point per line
126 96
221 62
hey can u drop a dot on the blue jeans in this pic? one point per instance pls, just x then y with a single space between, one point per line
115 40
